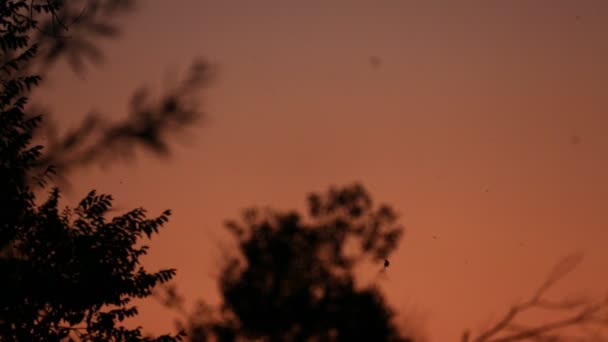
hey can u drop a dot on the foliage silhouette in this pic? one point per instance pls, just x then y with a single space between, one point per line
68 274
295 280
149 124
71 30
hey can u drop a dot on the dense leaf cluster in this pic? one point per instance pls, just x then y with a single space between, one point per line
70 273
294 279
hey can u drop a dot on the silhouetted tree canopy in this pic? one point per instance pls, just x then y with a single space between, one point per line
294 279
66 273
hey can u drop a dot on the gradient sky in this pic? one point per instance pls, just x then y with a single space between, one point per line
484 123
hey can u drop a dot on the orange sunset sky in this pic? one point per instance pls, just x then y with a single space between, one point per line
484 123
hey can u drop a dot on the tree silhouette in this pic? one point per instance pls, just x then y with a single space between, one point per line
65 274
294 279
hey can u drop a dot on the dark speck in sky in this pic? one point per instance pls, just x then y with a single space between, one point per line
575 140
375 61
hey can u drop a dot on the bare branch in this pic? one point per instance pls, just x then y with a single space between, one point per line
579 313
550 327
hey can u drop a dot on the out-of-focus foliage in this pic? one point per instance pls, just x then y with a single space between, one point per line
149 125
294 278
73 30
70 29
67 274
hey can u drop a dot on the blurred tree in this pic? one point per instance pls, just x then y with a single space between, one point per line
294 280
69 274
